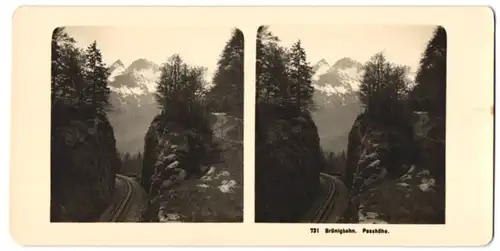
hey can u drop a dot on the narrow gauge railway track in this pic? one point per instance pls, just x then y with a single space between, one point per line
323 210
122 207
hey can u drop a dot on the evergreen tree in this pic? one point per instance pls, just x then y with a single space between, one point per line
227 93
429 93
97 91
276 88
66 69
283 75
300 75
270 67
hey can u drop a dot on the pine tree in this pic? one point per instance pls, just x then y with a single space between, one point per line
97 91
77 75
429 93
66 69
270 67
227 92
283 76
275 87
300 75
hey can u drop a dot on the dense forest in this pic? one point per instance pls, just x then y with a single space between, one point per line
84 159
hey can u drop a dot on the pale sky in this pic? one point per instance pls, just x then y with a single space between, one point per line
197 45
402 44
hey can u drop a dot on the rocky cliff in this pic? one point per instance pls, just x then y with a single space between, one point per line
192 176
288 162
172 153
84 162
396 173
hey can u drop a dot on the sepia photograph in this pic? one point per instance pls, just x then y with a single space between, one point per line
146 124
350 124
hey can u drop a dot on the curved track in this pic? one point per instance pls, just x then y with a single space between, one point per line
122 207
323 211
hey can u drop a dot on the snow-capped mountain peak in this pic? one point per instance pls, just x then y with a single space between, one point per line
145 73
320 68
133 87
336 85
347 62
132 96
142 64
340 79
139 78
117 68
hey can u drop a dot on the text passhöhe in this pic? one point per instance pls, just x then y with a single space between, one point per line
375 231
353 231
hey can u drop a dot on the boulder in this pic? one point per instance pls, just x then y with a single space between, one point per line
172 152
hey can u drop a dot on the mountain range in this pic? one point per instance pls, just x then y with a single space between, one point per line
132 98
335 96
336 100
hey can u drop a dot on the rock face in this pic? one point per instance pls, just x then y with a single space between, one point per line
216 194
391 173
227 127
84 162
171 154
288 162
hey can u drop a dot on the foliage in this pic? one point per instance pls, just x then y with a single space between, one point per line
79 78
383 89
429 93
283 75
226 94
180 94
